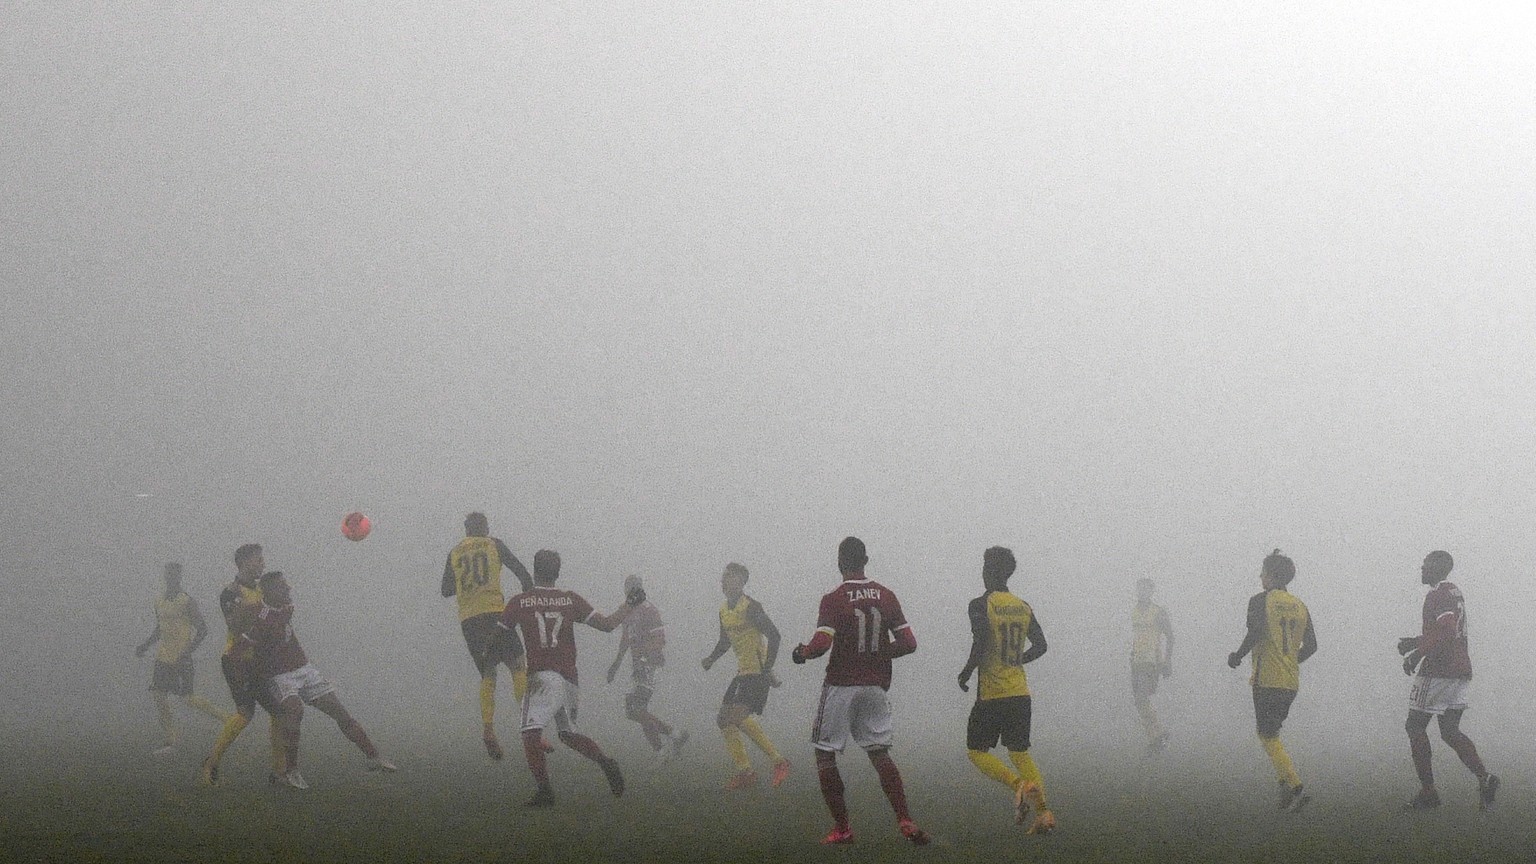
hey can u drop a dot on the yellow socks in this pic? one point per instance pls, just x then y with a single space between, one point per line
519 683
993 767
760 738
737 748
488 700
227 735
1029 774
1284 770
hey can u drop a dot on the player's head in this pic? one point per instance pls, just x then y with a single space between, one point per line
1278 570
274 588
476 525
1437 566
1144 589
249 561
546 566
172 575
631 582
851 556
734 580
997 564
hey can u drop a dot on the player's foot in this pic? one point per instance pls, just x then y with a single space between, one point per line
614 775
1292 798
208 775
492 747
1427 799
1021 803
1487 787
295 779
914 835
544 797
840 835
780 773
163 750
1045 823
379 763
741 780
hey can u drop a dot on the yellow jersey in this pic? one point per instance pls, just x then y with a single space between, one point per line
1004 622
1147 626
173 616
1283 627
473 574
749 642
240 604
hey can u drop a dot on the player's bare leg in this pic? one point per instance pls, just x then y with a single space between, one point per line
588 748
286 724
1466 751
1157 737
1418 743
167 723
488 715
332 707
895 792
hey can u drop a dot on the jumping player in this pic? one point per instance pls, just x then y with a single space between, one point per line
1281 638
293 682
179 628
1001 625
473 574
1151 659
239 602
1439 656
547 617
862 624
644 639
746 629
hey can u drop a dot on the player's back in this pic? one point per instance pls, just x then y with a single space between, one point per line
547 616
476 564
1275 660
1007 621
861 615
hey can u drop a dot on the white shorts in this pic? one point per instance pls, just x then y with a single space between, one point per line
852 715
1439 695
305 682
550 699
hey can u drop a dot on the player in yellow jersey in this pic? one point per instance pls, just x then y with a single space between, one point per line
473 575
179 628
240 601
1001 626
1281 637
746 629
1151 659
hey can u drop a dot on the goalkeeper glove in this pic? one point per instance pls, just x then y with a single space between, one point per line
797 656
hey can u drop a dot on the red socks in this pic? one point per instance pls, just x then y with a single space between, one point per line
832 786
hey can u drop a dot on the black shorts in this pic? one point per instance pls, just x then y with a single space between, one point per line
173 678
748 690
245 689
994 720
490 643
1271 705
1144 679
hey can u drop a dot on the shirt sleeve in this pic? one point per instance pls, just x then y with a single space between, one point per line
581 610
509 561
977 612
895 617
826 616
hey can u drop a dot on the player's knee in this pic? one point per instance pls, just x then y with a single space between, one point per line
876 754
1416 726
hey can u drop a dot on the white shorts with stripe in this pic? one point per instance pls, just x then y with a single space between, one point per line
1439 695
550 699
305 682
852 715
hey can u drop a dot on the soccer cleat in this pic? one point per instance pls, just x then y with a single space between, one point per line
208 775
295 779
163 750
780 773
1426 799
493 748
914 835
1045 823
840 835
1487 787
1292 798
379 763
741 780
1021 803
543 798
614 775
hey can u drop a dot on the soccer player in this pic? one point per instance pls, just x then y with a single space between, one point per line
239 602
644 640
746 629
179 628
293 682
1151 659
473 574
1001 625
861 623
547 617
1281 638
1444 675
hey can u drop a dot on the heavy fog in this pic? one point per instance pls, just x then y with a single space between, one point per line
1136 292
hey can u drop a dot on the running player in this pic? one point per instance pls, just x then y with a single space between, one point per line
644 639
1151 659
239 602
1281 638
547 617
862 624
1439 656
1001 624
473 574
746 629
293 682
179 628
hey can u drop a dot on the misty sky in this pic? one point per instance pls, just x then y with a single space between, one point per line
1130 290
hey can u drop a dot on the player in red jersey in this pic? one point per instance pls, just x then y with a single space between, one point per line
293 682
547 617
1444 675
862 624
644 640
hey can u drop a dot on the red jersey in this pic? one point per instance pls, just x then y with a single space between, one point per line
860 615
1444 641
548 617
277 649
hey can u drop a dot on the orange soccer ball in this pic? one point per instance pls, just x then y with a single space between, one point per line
355 526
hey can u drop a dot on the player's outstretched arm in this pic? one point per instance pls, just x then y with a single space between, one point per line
609 623
509 561
821 643
618 660
722 645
